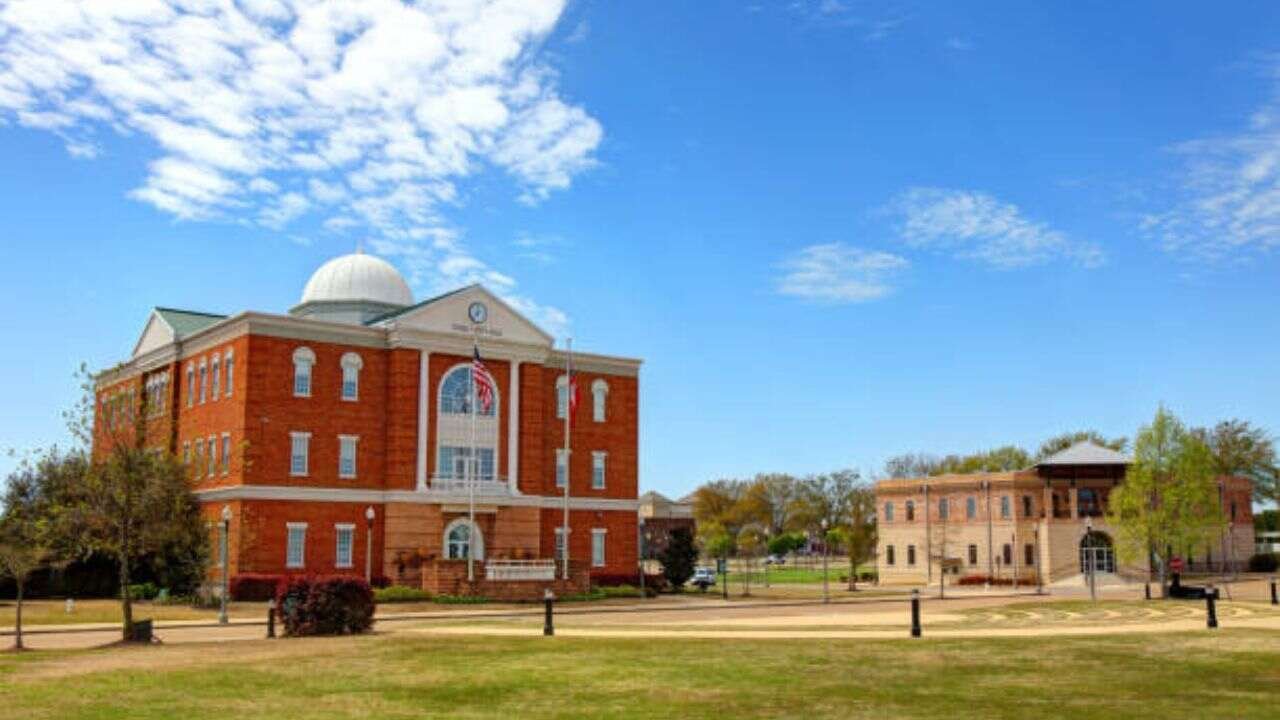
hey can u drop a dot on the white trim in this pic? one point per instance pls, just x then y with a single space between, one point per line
353 362
603 458
302 551
303 356
603 534
513 430
599 393
338 528
224 452
430 497
212 451
424 415
229 366
475 544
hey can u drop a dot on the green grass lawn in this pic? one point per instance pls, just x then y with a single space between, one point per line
1234 674
53 612
793 574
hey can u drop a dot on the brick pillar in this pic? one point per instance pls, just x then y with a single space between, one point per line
1075 501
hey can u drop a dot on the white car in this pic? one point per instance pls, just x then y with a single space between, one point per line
703 578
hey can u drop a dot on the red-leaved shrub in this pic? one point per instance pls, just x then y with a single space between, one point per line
255 587
334 605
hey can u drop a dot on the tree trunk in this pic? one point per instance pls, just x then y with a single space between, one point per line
17 630
853 573
126 598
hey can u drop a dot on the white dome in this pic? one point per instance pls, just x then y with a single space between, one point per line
357 277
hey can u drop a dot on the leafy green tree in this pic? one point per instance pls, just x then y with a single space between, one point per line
678 557
719 504
769 499
1058 443
1267 521
1239 448
785 543
1168 502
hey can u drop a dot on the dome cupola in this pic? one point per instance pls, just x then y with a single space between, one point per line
353 288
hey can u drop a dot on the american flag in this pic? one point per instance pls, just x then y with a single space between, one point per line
483 382
573 400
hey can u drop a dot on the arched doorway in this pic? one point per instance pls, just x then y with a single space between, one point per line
1097 552
460 537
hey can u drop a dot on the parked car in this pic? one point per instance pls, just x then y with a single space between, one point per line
775 560
704 578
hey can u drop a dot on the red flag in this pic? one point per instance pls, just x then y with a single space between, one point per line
573 399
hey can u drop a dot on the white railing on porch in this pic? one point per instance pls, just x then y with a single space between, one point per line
520 570
458 486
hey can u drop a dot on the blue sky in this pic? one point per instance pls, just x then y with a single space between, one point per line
835 231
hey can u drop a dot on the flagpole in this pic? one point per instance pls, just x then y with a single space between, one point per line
472 466
568 410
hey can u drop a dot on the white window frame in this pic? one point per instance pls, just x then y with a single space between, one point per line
212 450
599 462
352 363
204 379
475 540
229 366
562 467
601 536
562 396
215 377
288 545
191 384
225 453
186 453
338 530
304 360
599 400
199 455
353 441
294 436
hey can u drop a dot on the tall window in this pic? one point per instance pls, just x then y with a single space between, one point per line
303 361
230 365
191 385
562 469
204 380
888 554
973 554
295 550
458 541
888 512
597 547
226 453
911 511
1007 554
351 364
213 454
455 394
599 396
300 447
199 457
186 453
559 543
1026 506
562 396
970 508
454 461
597 470
346 535
1029 555
216 379
944 508
347 456
911 554
1004 506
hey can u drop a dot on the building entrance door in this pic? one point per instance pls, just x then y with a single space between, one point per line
1097 554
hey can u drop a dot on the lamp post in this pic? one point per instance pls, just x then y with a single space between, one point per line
825 596
641 553
226 562
368 544
1089 560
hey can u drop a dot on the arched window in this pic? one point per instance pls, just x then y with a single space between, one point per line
303 360
599 394
455 394
458 540
351 364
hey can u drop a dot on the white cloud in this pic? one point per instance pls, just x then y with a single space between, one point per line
839 273
1227 206
267 110
977 226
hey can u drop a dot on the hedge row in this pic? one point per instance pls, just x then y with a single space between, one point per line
337 605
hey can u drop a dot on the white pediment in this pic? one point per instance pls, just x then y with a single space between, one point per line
452 315
157 333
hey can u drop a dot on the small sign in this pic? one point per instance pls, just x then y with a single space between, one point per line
720 566
1176 565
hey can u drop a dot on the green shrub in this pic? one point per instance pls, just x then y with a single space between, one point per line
340 605
400 594
1263 563
620 591
143 591
460 599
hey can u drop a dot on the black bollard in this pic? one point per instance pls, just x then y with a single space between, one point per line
1275 600
915 613
271 619
1210 595
1147 590
547 628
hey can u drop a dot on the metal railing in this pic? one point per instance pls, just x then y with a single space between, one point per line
483 486
529 570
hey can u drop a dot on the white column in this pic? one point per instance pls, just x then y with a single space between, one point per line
424 415
513 431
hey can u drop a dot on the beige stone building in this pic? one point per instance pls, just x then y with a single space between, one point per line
1032 525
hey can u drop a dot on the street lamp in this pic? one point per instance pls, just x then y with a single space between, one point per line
1089 560
224 551
368 544
640 532
825 596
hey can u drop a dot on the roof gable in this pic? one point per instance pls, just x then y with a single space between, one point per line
449 314
167 325
1086 452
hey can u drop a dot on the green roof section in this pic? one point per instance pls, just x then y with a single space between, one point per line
185 322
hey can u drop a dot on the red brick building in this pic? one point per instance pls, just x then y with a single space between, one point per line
358 402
